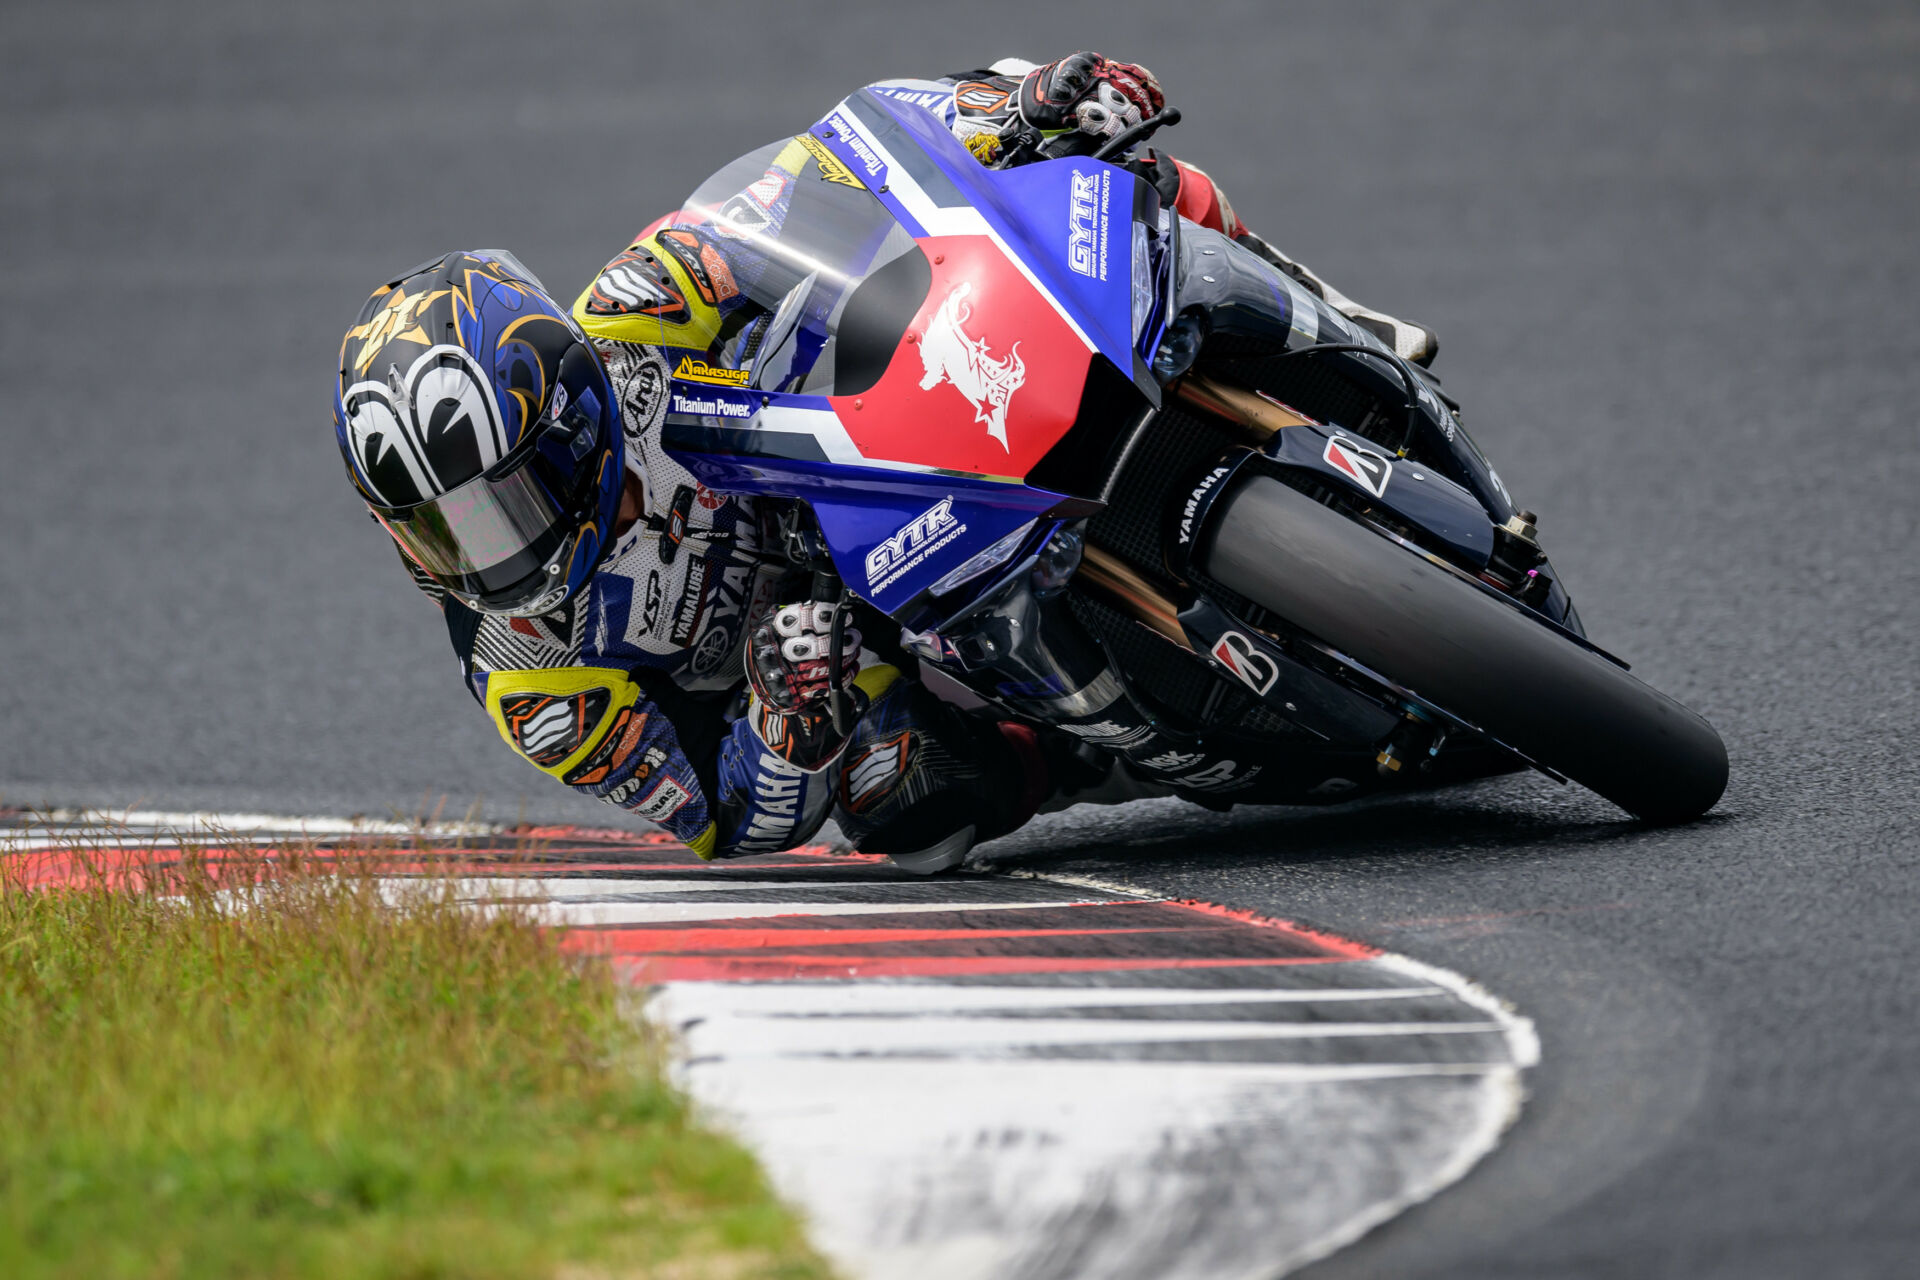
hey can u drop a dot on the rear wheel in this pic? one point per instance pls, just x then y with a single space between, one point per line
1465 651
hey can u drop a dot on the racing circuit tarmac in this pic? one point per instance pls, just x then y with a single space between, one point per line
1668 249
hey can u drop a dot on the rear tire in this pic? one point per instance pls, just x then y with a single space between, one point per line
1465 651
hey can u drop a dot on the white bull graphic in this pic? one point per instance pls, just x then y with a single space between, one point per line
949 355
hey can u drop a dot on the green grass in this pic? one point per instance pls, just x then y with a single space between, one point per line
327 1084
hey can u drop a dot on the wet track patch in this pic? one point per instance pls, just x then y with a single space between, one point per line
995 1076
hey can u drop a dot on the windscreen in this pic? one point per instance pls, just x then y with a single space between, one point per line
781 239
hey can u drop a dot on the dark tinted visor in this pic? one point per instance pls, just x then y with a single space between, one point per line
479 537
491 540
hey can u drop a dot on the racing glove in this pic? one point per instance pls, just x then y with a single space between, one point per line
1091 93
788 665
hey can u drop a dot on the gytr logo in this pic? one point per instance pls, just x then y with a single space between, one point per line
1086 223
948 354
920 537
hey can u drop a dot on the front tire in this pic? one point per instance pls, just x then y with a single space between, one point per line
1465 651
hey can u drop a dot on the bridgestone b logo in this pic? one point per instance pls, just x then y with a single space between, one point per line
1243 659
1367 468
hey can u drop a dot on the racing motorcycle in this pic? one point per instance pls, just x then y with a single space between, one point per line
1104 470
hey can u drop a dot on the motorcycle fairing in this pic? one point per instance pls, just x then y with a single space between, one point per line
924 470
1415 493
934 186
986 380
797 445
1242 293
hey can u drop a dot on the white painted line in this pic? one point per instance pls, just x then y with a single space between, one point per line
990 1037
917 1076
965 1168
925 1143
91 827
895 999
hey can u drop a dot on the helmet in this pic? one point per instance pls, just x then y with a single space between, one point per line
479 426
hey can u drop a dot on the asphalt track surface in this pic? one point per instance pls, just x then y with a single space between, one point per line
1669 250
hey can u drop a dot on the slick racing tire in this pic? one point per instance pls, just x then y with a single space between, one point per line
1464 651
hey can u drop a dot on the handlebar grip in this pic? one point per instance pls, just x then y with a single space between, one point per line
1126 139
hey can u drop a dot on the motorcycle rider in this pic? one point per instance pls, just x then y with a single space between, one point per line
601 600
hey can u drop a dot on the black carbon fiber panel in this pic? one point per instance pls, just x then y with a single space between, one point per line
1158 670
1314 387
1174 449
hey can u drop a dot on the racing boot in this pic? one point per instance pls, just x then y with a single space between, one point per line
923 783
1409 341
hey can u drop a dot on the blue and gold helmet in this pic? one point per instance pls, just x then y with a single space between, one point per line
478 424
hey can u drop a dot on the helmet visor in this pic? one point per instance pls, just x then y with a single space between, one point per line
502 540
486 535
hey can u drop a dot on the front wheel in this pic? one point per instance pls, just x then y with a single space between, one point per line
1465 651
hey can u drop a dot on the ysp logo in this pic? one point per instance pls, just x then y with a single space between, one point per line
949 354
650 609
1248 665
1363 466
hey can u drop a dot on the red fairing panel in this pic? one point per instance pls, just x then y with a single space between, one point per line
988 379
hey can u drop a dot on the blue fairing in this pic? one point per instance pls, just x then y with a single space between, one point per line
1066 223
1030 211
737 447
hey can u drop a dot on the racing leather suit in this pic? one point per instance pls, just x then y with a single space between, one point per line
632 692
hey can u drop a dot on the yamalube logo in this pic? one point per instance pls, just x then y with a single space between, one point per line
948 354
1365 467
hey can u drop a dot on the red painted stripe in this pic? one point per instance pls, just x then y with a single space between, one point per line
797 946
127 867
601 941
1092 917
650 969
1345 947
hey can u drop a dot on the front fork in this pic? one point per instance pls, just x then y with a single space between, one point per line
1026 652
